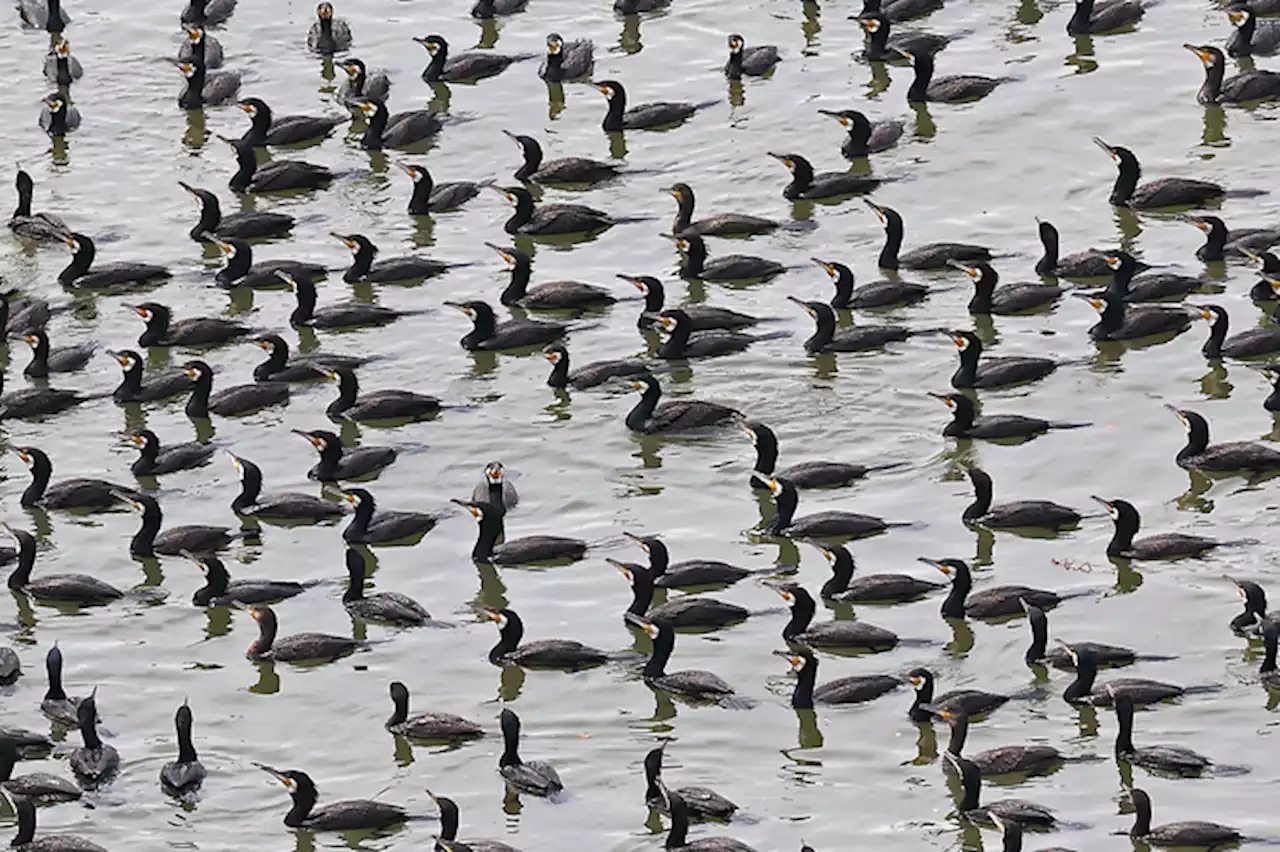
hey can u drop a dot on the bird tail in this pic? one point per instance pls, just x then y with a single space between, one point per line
1245 193
1060 424
701 105
771 335
799 225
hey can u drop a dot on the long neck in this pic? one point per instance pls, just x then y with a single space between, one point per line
89 728
1080 17
521 271
1124 721
489 532
21 575
261 122
613 118
53 668
420 200
1048 263
523 213
641 591
684 215
967 373
24 199
802 695
695 258
508 639
1270 639
305 293
1039 637
330 461
186 748
643 410
1197 437
825 329
559 377
80 262
959 733
532 158
919 90
448 819
247 162
1126 181
1126 527
484 326
892 241
844 282
971 778
372 138
436 66
250 488
801 179
841 574
8 759
880 37
510 746
198 403
41 470
400 712
662 647
216 580
210 215
981 498
193 97
983 289
360 264
953 606
304 799
860 128
144 539
1211 89
1212 347
802 611
26 823
355 576
348 391
1141 817
554 72
785 504
1214 248
677 836
766 455
1086 674
674 346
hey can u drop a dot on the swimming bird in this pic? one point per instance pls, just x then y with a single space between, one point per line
328 35
534 777
1231 457
40 227
220 590
868 588
427 727
657 115
1153 195
683 612
1124 545
83 274
864 137
80 493
148 541
692 684
854 689
156 460
744 61
673 416
267 128
336 462
1247 87
369 526
808 184
702 802
516 333
346 815
468 67
1023 514
1176 834
183 777
565 654
827 524
94 763
991 602
516 551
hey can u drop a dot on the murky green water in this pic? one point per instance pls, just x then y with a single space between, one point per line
851 778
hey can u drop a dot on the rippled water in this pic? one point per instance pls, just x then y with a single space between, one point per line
848 778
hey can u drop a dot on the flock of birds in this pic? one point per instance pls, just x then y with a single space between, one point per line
1136 305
